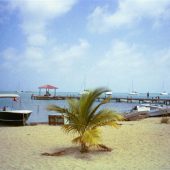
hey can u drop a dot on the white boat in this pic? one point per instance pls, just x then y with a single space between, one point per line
133 92
140 109
108 93
147 110
164 93
13 117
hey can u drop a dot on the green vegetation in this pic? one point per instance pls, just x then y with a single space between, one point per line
84 119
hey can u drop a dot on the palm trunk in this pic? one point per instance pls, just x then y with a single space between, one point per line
84 148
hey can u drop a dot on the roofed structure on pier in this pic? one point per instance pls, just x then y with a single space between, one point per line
47 87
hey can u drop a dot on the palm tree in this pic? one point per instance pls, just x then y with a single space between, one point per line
85 118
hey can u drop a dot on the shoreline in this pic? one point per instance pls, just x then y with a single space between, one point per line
142 144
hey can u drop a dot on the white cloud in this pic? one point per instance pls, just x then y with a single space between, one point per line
37 39
36 15
9 54
162 59
129 12
34 19
124 62
121 58
9 59
39 60
67 60
41 54
43 10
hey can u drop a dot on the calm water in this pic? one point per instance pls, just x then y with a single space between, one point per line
40 113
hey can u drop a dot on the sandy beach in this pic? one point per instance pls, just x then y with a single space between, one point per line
142 145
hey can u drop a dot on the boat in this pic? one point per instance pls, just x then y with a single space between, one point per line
147 110
133 92
13 117
164 93
108 93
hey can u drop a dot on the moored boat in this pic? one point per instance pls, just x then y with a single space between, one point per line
147 110
164 93
133 93
108 93
13 117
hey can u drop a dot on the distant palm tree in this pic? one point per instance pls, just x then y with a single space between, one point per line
84 118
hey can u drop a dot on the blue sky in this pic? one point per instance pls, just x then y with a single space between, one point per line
76 43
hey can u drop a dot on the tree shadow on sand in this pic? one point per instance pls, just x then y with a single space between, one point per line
74 152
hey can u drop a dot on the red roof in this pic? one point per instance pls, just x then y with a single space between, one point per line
47 87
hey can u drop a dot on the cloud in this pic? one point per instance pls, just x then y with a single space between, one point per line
124 62
41 53
43 10
37 39
8 56
128 13
121 58
70 59
39 60
36 15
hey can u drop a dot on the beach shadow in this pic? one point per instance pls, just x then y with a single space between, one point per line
75 152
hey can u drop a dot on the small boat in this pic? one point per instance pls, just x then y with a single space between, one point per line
147 110
108 93
13 117
133 93
164 93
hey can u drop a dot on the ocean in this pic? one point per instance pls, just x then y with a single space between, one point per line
39 107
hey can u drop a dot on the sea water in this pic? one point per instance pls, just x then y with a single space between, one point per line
39 107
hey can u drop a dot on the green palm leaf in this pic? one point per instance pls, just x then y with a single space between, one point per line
105 117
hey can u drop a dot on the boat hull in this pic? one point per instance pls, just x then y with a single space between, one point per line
14 118
159 112
136 115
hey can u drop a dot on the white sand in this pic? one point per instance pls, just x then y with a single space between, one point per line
140 145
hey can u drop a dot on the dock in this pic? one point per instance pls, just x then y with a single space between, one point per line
157 100
142 100
53 97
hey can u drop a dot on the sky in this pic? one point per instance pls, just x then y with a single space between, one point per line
77 44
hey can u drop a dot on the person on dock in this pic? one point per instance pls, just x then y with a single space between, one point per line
147 94
4 108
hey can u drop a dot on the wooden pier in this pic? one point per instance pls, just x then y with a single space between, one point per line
141 100
113 99
53 97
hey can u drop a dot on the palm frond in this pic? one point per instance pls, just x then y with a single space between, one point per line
91 137
105 117
73 106
77 140
70 129
57 109
87 101
95 109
